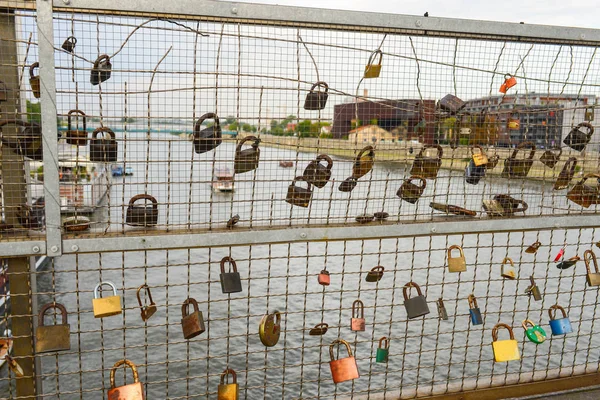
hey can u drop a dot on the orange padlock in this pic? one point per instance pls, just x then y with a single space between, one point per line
343 369
133 391
357 323
324 278
509 81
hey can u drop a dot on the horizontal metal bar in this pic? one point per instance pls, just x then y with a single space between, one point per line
311 234
286 15
25 248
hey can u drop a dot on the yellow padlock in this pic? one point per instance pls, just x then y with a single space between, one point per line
508 272
479 158
373 70
106 306
228 391
505 350
456 264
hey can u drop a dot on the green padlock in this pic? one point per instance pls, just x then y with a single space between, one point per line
383 350
535 333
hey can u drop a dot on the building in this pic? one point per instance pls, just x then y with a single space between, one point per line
371 134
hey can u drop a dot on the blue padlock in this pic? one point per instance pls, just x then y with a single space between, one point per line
476 318
560 326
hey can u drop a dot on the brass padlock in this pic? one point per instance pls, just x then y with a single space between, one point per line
316 100
343 369
566 174
28 142
133 391
324 278
411 192
505 350
269 329
589 113
299 196
509 81
510 205
593 278
34 80
577 139
533 290
149 310
515 168
228 391
208 138
69 44
52 337
106 306
415 306
246 160
101 70
191 324
318 174
375 274
508 272
533 248
451 104
363 163
456 264
348 184
76 137
427 167
583 194
319 329
442 312
480 158
14 366
357 322
373 70
103 149
144 215
230 281
550 158
3 92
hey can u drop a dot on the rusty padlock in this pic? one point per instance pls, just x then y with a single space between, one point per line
375 274
142 215
357 322
226 390
28 142
583 194
373 70
348 184
510 205
269 329
415 306
451 104
427 167
3 92
191 324
577 139
508 272
456 264
103 149
316 100
409 191
208 138
343 369
492 161
319 329
363 163
14 366
509 81
101 70
230 281
299 196
513 167
106 306
324 278
593 278
133 391
566 174
533 290
550 158
34 80
318 174
76 137
442 312
533 248
146 310
52 337
69 44
246 160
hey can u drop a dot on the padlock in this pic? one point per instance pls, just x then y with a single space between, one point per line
383 350
233 221
443 314
364 218
480 158
52 337
508 272
106 306
142 215
535 333
133 391
103 149
492 162
230 281
549 158
348 184
299 196
69 44
27 218
324 278
14 366
373 70
510 205
593 278
560 326
149 310
474 311
452 209
316 100
246 160
473 173
375 274
318 174
451 104
28 142
568 263
566 174
269 329
533 248
363 163
513 122
583 194
411 192
319 329
208 138
456 264
34 80
577 139
357 322
589 113
509 81
380 216
533 290
343 369
415 306
228 391
76 137
3 92
427 167
101 70
515 168
505 350
191 324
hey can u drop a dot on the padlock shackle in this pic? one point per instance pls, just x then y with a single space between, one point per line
363 151
227 372
507 76
81 113
374 55
231 262
56 306
325 157
321 325
144 286
97 290
439 149
407 287
32 67
554 308
320 84
419 178
477 147
385 340
532 280
127 363
472 301
198 124
569 167
143 196
100 58
338 342
590 128
301 179
378 269
588 256
521 146
581 182
509 260
527 322
186 304
248 139
453 247
358 309
553 150
72 39
502 325
536 245
103 129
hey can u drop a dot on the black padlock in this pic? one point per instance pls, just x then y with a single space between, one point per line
318 174
566 174
451 103
247 160
348 184
578 139
550 158
316 100
411 192
492 161
34 80
474 173
299 196
76 137
230 281
363 162
415 306
3 92
427 167
103 149
142 215
208 138
69 44
28 142
515 168
101 70
28 218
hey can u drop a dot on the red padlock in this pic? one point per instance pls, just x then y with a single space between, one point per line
324 278
343 369
509 81
560 255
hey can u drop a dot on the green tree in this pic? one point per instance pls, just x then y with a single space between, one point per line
233 126
247 128
34 112
230 120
